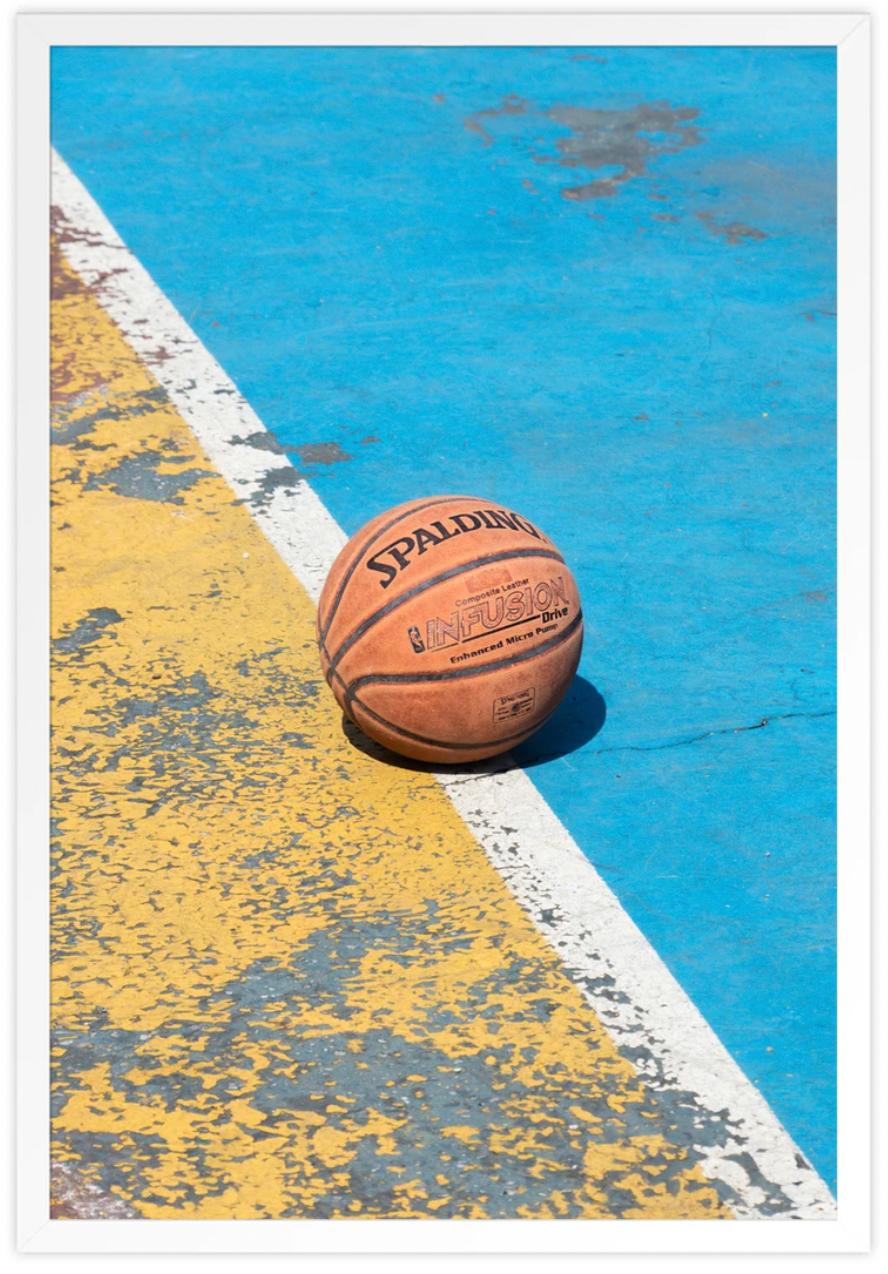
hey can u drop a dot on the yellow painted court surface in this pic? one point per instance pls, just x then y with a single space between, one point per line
286 980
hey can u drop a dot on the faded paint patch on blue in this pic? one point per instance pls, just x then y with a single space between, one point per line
598 286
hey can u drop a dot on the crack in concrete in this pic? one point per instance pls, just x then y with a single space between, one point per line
708 734
652 747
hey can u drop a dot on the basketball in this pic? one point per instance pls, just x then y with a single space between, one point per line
449 628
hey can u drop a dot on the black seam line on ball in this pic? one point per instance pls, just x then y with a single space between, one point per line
454 674
334 605
364 627
446 743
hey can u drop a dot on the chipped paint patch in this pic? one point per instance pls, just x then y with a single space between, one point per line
624 141
321 453
262 440
287 477
75 1197
87 631
477 121
615 146
731 231
282 478
71 422
318 453
147 477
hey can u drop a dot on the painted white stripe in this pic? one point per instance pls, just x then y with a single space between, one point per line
646 1012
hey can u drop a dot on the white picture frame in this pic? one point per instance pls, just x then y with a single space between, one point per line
850 35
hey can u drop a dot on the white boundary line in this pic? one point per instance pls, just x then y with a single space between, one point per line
637 999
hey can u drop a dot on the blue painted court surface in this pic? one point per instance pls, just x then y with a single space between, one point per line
596 286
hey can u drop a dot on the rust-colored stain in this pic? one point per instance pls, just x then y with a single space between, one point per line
614 146
731 231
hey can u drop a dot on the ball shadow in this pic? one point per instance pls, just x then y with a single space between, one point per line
577 719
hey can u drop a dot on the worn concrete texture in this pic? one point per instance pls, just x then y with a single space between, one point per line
286 981
382 244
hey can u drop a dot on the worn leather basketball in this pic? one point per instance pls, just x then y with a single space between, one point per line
449 628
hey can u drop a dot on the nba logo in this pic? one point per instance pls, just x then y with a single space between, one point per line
415 639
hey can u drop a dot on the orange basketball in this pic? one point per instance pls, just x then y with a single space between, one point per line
449 628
